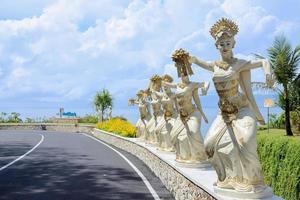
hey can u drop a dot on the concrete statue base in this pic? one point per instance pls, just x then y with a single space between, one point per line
203 164
229 193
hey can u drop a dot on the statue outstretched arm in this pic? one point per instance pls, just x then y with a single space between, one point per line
198 104
170 85
201 63
264 63
131 102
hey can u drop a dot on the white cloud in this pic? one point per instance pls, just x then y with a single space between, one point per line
252 18
17 80
73 49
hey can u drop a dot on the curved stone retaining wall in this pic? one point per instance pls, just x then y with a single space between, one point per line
69 128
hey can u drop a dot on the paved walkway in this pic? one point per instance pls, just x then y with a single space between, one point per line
69 166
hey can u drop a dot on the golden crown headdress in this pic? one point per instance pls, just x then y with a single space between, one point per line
180 57
167 78
155 78
224 25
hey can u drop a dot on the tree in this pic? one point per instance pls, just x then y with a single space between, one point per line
284 60
102 101
14 117
29 120
294 96
2 117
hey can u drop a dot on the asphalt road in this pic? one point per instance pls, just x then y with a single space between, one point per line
69 166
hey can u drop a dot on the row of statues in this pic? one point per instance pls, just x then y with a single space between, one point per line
173 123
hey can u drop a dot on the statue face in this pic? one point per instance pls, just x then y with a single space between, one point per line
157 85
225 45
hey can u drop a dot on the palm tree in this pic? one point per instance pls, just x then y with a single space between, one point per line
102 101
284 60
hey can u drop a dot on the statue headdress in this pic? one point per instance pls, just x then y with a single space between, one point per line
180 57
224 25
155 78
167 78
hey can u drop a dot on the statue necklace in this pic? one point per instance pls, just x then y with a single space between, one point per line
225 64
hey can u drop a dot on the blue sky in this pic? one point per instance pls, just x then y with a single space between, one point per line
58 53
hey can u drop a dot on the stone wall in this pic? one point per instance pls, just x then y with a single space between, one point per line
69 128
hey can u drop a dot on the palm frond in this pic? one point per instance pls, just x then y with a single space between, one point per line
284 60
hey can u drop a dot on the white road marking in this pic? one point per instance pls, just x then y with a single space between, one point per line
148 185
21 157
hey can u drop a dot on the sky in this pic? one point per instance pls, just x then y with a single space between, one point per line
59 53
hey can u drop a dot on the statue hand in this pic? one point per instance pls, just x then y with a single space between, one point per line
204 89
130 102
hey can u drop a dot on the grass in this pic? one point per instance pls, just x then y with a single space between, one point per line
280 133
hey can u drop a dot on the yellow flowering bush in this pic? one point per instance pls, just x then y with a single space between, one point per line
118 126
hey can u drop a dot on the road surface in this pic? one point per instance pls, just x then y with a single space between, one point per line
51 165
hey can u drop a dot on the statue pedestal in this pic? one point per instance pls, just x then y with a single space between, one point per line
151 144
140 139
229 193
203 164
160 150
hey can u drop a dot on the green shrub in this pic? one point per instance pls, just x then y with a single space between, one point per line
260 128
280 159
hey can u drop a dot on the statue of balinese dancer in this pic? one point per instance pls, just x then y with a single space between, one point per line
157 117
185 134
231 140
169 103
145 114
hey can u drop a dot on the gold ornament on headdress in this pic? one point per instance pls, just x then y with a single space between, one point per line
167 78
181 59
155 78
224 25
155 81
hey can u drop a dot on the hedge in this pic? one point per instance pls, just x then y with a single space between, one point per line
280 159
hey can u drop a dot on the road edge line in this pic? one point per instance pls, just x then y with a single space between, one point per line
144 179
25 154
